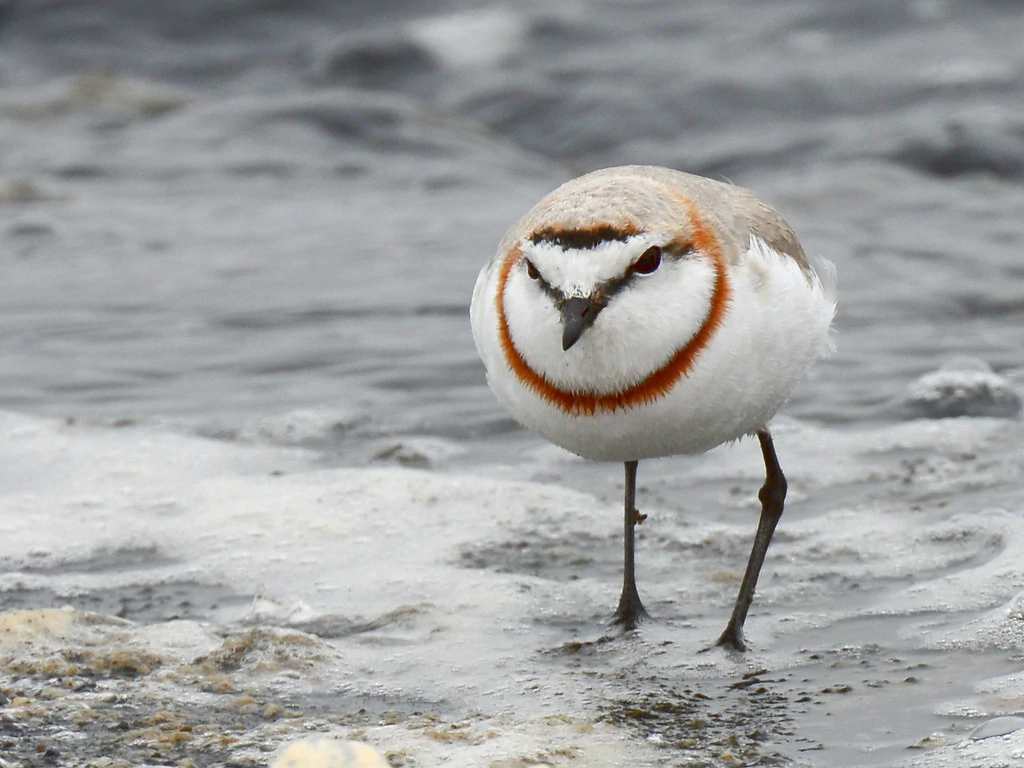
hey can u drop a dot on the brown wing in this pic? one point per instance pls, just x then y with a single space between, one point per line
766 223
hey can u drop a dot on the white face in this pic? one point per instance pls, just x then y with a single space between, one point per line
648 303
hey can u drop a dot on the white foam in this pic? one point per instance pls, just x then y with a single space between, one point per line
1007 750
474 38
883 524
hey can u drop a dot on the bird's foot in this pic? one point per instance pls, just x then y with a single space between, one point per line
732 638
631 611
637 517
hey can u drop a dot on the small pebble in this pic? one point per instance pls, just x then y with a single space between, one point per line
329 753
932 741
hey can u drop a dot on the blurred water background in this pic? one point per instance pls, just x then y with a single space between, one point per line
253 225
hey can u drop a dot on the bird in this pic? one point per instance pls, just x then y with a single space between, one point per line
639 312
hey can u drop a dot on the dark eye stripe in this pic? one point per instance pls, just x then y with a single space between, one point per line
534 274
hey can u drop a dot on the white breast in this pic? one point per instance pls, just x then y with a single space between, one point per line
775 326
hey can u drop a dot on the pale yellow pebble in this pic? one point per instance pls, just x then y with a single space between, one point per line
19 626
329 753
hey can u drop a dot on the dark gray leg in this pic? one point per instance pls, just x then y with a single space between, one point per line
772 497
630 611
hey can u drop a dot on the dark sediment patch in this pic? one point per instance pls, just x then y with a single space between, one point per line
561 558
144 603
149 602
740 724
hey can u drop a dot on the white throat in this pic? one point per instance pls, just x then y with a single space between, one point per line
640 329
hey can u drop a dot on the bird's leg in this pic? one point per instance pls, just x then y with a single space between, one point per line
630 611
772 497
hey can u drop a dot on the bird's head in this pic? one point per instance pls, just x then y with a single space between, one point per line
607 282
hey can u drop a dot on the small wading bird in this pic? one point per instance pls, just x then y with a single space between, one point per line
638 312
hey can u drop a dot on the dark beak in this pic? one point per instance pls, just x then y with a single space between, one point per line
578 314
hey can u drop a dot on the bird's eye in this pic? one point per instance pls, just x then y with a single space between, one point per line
532 270
649 261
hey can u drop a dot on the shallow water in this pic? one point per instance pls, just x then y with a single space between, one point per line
240 240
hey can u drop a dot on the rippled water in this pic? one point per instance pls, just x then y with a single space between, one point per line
262 223
227 214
